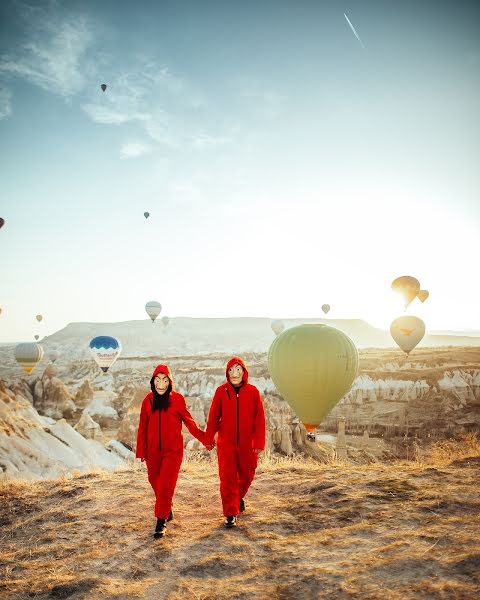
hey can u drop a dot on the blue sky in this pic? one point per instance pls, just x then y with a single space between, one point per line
283 164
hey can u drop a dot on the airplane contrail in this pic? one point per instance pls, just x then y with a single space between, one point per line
354 31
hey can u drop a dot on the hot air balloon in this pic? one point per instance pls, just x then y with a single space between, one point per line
105 350
165 320
313 367
39 318
2 222
1 311
326 308
277 326
146 214
36 337
53 355
408 287
423 295
153 309
103 86
28 355
407 331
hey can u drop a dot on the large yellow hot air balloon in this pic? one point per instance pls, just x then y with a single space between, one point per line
407 331
423 295
313 367
28 355
408 288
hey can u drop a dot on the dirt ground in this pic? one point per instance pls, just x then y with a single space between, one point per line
310 531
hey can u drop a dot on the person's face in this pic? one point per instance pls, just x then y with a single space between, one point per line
235 374
161 382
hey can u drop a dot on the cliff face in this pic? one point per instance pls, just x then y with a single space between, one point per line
435 392
36 447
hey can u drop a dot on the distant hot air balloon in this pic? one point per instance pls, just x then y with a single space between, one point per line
408 287
153 309
39 318
53 355
105 350
313 367
28 355
146 214
104 87
326 308
423 295
1 311
36 337
407 331
165 321
277 326
2 222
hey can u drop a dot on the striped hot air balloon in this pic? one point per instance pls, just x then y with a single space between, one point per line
28 355
153 309
105 351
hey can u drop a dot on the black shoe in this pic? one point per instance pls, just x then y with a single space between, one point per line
230 522
170 516
242 504
160 529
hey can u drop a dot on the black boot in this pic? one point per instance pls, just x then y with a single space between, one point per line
160 529
242 504
230 522
170 516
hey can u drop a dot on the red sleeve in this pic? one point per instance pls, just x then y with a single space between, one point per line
189 421
214 418
142 431
259 429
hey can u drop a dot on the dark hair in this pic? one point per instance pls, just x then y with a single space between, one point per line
160 401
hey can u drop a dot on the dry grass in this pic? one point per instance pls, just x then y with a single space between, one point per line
446 451
310 531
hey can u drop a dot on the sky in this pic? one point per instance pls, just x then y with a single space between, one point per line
284 162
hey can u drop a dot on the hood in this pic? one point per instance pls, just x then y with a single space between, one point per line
233 361
165 370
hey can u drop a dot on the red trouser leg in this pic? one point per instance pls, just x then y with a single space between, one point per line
228 472
163 475
247 464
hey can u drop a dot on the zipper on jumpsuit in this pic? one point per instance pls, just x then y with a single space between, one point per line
228 394
160 429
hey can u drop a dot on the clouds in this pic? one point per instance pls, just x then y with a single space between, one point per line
51 52
5 103
134 150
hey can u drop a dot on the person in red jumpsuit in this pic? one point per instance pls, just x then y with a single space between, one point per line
237 415
160 441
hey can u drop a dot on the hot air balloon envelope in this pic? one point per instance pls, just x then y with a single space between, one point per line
104 87
326 308
408 288
423 295
39 318
105 350
28 355
146 214
277 326
153 309
2 222
313 367
165 320
407 331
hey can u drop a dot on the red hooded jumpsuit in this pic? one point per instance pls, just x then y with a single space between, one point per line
160 443
240 422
